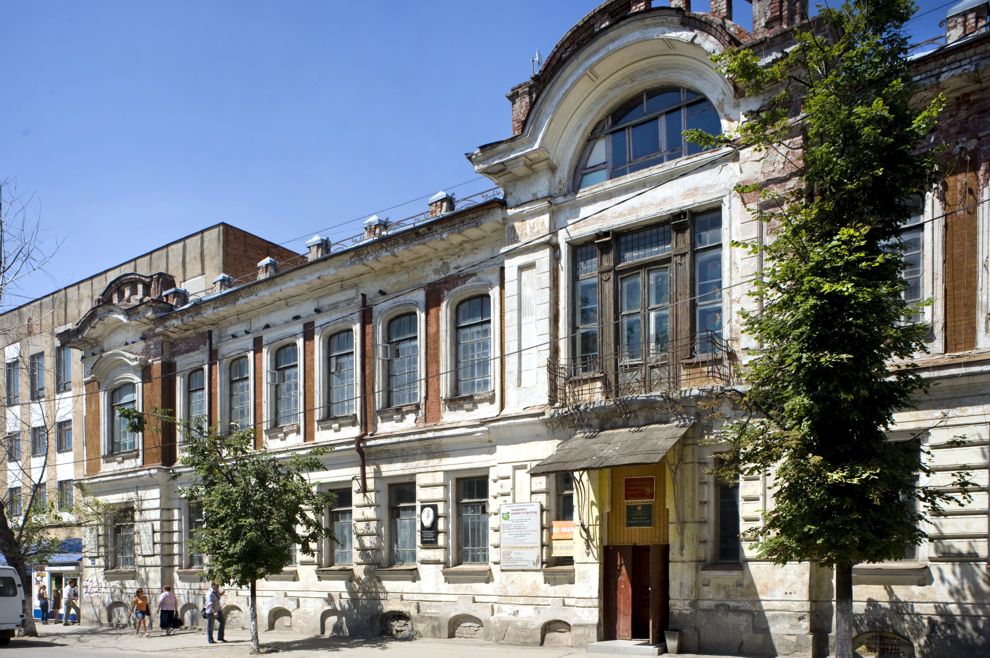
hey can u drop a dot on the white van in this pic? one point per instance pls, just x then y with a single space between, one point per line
11 603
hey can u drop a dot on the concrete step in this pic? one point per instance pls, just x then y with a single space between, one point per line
626 648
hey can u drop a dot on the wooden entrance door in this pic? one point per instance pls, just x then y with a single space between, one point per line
636 592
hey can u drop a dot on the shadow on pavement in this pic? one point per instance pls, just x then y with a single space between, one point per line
326 643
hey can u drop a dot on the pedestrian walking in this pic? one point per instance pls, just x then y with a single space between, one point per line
166 611
56 604
213 610
70 600
140 608
43 604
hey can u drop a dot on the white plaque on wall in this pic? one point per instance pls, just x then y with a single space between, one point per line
520 536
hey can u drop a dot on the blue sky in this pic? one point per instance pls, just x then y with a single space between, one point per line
131 124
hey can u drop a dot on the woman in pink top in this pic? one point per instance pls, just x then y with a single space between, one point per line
166 610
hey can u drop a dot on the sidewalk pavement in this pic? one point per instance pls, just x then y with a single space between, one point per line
86 641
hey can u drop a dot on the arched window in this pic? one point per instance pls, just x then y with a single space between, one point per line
474 345
195 395
286 385
340 373
239 394
645 131
403 360
121 438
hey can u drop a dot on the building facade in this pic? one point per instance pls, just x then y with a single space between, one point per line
517 390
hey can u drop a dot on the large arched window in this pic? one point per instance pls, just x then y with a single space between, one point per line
474 345
645 131
340 373
286 385
403 360
122 439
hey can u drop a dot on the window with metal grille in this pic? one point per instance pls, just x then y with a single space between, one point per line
195 396
239 394
63 369
341 516
63 436
12 380
403 360
121 539
13 442
472 519
402 511
645 131
37 372
39 441
340 374
727 522
194 512
474 345
66 496
122 439
286 385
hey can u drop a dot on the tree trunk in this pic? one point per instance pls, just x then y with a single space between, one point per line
843 611
253 608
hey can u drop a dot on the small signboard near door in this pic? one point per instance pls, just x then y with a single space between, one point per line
639 493
520 535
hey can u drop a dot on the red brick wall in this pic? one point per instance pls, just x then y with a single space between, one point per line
92 428
158 392
243 251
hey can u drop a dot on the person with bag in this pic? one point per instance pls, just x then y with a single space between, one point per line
166 610
140 609
71 602
43 604
213 610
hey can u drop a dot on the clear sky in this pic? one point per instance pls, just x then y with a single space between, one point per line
129 124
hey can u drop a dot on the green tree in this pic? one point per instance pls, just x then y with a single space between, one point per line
258 506
833 364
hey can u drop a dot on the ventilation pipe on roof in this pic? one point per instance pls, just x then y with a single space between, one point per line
317 247
375 227
441 203
966 18
769 16
223 281
684 5
267 268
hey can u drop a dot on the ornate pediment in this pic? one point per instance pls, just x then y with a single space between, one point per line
132 289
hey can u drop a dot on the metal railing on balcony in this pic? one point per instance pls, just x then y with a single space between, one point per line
703 361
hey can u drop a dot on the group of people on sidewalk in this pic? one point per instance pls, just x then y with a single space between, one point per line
51 606
168 617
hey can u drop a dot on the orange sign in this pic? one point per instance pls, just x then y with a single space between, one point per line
640 488
562 530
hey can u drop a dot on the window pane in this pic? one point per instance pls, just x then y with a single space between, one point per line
630 293
659 287
585 260
702 116
403 514
593 178
341 524
619 157
13 383
673 139
662 100
472 520
653 241
728 522
645 139
195 395
474 345
632 337
340 366
631 111
240 394
122 439
708 229
598 153
587 306
403 361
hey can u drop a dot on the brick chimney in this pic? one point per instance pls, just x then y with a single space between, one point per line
375 227
176 296
223 281
521 96
681 4
770 16
317 247
267 268
723 9
966 18
636 6
441 203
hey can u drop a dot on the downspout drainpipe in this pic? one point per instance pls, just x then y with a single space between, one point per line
369 388
210 365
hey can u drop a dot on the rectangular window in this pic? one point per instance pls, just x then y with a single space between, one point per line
12 379
122 439
239 395
707 243
402 513
121 539
14 505
66 496
565 496
403 361
727 522
341 516
40 503
286 385
194 559
340 373
195 395
13 441
472 519
37 372
586 309
63 436
63 369
39 441
912 237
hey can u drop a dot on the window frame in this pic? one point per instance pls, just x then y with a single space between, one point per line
282 389
457 326
461 502
391 346
116 426
334 550
63 369
36 373
66 495
39 441
118 520
15 495
12 382
345 407
721 523
14 447
194 521
230 392
63 428
195 377
396 508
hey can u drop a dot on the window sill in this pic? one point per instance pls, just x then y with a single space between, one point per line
559 575
286 574
121 456
400 572
282 432
470 401
468 573
190 574
120 574
336 423
722 567
335 573
398 414
892 573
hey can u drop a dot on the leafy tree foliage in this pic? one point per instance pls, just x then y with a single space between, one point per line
834 362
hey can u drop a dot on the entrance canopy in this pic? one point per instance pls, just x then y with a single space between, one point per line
622 447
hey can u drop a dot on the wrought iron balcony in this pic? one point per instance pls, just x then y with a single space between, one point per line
703 361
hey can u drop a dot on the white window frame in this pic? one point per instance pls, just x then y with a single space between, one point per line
329 546
322 379
224 390
270 403
453 518
382 401
448 336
